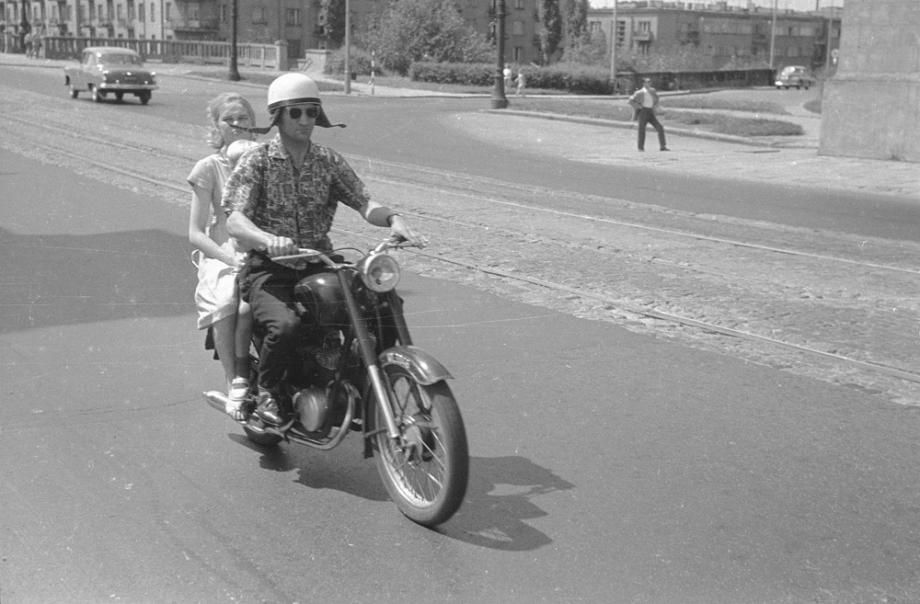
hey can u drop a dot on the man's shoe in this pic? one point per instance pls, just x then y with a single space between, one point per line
269 411
665 149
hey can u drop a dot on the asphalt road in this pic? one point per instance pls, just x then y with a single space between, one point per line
608 466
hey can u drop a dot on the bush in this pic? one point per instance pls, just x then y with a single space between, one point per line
470 74
569 77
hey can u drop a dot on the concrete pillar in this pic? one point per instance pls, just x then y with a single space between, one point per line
871 107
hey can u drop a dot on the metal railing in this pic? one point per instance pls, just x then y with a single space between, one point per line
263 56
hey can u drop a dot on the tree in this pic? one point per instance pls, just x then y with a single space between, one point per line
335 21
415 30
550 31
574 14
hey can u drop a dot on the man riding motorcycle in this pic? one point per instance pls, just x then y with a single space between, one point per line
282 196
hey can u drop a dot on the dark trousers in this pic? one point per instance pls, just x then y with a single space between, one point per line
269 289
647 116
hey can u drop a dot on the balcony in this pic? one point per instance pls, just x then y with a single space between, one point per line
642 36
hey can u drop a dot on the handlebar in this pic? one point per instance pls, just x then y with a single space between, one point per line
311 255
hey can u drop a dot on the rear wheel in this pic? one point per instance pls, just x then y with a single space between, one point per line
426 469
144 97
119 96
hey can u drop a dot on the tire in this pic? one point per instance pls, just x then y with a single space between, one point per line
119 96
98 96
144 97
73 92
427 470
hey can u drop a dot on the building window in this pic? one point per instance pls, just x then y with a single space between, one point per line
140 12
223 13
258 14
517 28
293 17
153 12
168 15
519 4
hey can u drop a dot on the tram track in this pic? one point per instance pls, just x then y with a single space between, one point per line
497 207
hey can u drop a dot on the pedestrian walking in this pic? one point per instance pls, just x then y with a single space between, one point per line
521 82
506 74
645 102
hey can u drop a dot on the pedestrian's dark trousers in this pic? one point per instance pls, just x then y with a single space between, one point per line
647 116
269 289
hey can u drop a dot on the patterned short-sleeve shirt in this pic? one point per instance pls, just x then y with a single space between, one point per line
296 203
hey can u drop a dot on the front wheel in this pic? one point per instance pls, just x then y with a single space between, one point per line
426 469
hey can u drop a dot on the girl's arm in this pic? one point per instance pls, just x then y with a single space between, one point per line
198 221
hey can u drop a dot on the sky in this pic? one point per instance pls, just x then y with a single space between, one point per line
799 5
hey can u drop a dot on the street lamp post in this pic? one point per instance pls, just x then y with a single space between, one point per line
613 48
499 100
24 26
234 74
347 48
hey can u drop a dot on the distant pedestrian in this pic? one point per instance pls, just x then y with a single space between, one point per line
521 82
645 102
506 74
27 43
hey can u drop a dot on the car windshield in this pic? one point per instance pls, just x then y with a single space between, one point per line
120 59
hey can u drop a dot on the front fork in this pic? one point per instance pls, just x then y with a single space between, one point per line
369 357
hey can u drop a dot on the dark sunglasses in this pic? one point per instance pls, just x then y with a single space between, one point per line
311 111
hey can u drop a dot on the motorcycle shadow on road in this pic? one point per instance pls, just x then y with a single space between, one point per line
501 497
499 500
52 280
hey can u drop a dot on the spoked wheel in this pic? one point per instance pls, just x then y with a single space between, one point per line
426 469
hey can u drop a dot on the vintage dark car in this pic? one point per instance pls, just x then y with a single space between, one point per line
106 69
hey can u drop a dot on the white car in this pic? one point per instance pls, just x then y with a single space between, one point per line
795 76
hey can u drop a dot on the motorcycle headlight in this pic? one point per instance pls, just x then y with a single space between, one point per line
380 272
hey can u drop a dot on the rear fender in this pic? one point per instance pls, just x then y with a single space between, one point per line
423 367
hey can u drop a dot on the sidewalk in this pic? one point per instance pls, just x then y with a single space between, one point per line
779 160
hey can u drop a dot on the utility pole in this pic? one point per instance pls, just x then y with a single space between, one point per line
773 35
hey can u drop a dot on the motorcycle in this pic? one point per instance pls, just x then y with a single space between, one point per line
357 370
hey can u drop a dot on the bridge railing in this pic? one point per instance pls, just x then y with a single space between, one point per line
262 56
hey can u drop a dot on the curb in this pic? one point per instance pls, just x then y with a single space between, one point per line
725 138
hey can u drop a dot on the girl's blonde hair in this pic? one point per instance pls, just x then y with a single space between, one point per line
213 111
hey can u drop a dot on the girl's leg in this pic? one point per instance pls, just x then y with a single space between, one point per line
223 332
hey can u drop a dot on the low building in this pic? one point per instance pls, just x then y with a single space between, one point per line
722 34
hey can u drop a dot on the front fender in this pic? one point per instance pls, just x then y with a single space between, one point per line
423 367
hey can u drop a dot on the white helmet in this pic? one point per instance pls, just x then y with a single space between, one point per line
296 89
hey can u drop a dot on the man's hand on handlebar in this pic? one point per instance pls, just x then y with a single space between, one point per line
279 246
403 230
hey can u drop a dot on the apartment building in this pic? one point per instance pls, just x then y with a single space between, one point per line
722 33
300 23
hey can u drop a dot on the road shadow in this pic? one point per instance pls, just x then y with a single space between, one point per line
70 279
500 499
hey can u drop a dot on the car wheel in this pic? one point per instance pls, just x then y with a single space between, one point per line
73 92
119 96
144 97
98 95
